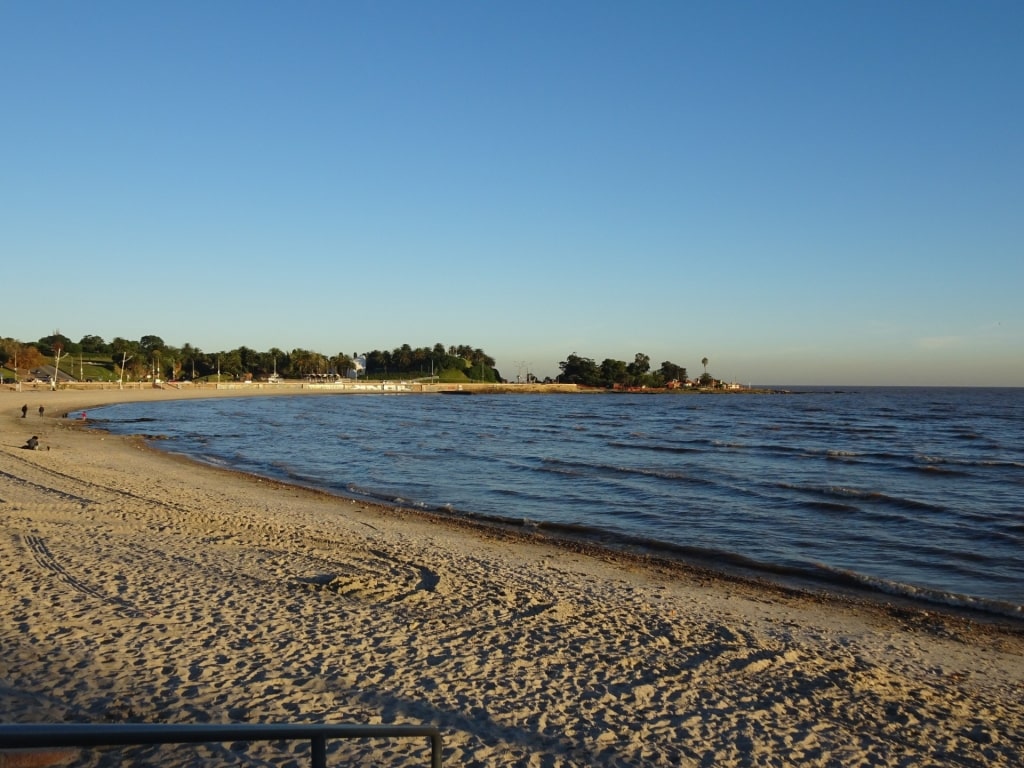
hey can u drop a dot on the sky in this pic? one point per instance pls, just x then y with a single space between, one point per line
801 192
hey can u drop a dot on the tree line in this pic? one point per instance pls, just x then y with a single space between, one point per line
610 373
151 357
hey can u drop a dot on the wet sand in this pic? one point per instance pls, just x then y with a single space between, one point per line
141 587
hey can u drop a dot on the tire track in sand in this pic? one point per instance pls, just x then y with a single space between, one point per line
43 489
46 560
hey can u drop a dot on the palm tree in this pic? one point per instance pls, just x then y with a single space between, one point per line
704 362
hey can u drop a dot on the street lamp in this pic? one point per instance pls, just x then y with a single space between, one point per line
519 371
124 359
56 370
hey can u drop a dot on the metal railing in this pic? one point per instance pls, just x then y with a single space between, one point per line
33 736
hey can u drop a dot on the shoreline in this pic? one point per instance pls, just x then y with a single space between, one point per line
143 586
821 581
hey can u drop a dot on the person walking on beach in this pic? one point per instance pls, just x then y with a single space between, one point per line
41 409
24 410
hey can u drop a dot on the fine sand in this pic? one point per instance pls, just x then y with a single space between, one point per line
138 587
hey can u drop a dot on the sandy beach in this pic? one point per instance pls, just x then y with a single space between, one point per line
140 587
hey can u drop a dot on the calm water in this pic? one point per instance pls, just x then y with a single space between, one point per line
913 491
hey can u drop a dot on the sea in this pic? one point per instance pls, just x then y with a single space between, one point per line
915 492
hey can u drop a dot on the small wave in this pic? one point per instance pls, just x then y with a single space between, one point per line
559 468
837 454
871 498
924 594
933 469
959 462
788 450
832 490
215 461
998 463
400 501
877 497
369 494
656 447
728 444
828 506
605 471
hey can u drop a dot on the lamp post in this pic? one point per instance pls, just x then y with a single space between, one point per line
56 371
124 359
519 371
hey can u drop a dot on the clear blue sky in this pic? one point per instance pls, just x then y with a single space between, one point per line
803 192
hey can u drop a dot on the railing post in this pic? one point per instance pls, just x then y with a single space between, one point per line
435 750
319 744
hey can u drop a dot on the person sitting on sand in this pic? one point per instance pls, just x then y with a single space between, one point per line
32 444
